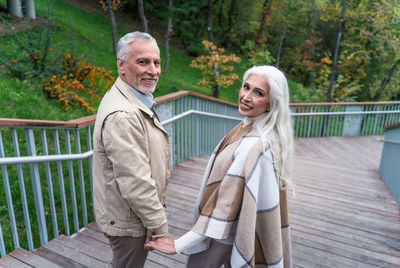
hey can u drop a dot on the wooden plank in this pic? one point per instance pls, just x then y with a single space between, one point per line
10 262
363 256
346 239
32 259
89 232
313 256
56 257
340 231
73 254
93 248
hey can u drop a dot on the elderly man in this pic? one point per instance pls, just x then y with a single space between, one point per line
131 155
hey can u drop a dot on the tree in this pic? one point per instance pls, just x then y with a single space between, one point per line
263 24
110 6
30 9
335 55
142 16
14 7
208 64
169 26
210 10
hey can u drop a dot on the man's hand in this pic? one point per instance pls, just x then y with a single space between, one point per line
161 244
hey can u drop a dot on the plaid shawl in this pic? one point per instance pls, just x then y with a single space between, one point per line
240 194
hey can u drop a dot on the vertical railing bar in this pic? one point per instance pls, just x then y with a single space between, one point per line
197 128
178 141
173 135
90 162
37 190
7 190
316 122
61 182
296 123
22 190
186 149
49 183
178 133
81 182
335 122
301 126
203 129
2 247
376 120
309 123
71 181
181 136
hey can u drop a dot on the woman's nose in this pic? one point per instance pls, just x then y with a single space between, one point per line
247 95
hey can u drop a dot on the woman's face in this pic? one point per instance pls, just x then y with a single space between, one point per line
254 96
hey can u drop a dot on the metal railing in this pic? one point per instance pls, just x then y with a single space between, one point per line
46 166
54 158
389 168
343 119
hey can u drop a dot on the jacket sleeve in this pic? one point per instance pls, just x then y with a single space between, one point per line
126 146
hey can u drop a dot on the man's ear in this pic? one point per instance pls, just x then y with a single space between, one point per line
121 66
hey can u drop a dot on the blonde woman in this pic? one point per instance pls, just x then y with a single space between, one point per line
241 217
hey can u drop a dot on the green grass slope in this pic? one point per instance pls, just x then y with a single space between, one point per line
83 28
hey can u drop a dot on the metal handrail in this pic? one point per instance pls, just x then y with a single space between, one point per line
44 158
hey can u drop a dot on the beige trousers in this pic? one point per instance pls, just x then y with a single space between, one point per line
128 251
214 257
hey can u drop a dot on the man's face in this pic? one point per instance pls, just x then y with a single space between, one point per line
141 69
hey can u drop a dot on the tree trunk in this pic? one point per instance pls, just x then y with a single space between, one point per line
30 9
385 81
209 21
142 15
211 38
261 30
113 25
14 8
283 36
231 13
336 54
167 37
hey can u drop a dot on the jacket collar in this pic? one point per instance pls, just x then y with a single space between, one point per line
125 90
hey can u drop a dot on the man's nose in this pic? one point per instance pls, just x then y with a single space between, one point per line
153 69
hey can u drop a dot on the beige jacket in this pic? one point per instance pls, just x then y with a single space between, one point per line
131 160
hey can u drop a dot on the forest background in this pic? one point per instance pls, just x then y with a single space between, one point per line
58 65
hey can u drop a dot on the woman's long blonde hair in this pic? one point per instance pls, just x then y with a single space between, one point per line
278 117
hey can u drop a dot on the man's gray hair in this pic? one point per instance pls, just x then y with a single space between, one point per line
129 38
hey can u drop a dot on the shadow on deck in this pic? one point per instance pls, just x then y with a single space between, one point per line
342 214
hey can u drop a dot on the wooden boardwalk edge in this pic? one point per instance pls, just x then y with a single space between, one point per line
342 214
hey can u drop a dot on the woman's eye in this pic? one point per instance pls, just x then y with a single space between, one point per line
259 93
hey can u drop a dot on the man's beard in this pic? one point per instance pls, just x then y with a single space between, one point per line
145 90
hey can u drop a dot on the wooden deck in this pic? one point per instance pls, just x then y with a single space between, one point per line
342 214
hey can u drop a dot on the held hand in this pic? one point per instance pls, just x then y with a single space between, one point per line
162 244
148 239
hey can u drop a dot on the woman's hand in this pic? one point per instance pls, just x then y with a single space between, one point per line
161 244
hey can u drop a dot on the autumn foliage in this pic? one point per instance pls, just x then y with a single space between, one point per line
216 67
82 85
